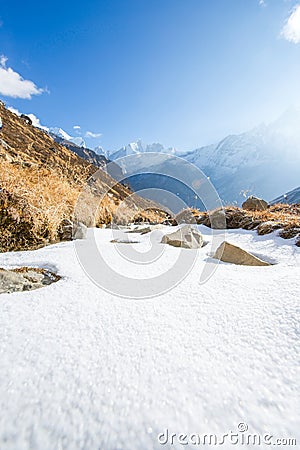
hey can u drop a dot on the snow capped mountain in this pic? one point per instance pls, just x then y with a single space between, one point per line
290 197
78 140
138 147
264 161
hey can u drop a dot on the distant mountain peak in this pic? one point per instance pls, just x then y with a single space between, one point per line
78 140
139 147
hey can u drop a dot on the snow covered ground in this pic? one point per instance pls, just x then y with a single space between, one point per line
81 368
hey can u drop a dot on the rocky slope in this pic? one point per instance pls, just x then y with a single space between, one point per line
42 181
80 150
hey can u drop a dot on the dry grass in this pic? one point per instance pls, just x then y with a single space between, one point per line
50 197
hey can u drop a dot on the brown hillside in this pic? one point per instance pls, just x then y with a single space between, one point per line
41 182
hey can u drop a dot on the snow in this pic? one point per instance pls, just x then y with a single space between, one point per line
262 161
138 148
84 369
60 133
289 197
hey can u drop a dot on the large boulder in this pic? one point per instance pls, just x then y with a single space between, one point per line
255 204
185 237
230 253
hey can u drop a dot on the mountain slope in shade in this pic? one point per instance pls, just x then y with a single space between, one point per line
264 161
85 153
290 197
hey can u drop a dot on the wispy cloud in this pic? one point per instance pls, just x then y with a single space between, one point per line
262 3
291 29
90 134
76 127
13 85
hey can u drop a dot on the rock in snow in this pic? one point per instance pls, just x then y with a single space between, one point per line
79 231
232 254
24 279
255 204
186 237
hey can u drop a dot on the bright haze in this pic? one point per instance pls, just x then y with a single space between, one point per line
182 73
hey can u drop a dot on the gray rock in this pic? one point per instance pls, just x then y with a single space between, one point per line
13 282
25 280
255 204
185 237
145 230
235 255
79 231
217 219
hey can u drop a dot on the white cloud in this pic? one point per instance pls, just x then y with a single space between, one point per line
13 85
90 134
291 29
262 3
35 120
76 127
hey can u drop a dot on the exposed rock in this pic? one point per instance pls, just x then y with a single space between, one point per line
248 223
289 233
79 231
124 241
145 230
268 227
26 119
186 237
232 254
215 219
170 222
186 216
65 231
25 279
255 204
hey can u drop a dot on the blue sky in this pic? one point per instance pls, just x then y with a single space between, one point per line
181 72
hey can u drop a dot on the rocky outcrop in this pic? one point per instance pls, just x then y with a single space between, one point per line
185 237
25 279
255 204
268 227
290 233
235 255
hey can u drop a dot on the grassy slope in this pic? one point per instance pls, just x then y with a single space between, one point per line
41 182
